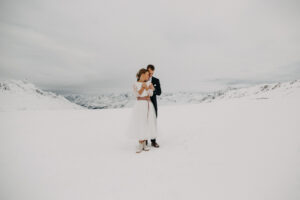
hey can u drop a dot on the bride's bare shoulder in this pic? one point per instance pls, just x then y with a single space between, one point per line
136 83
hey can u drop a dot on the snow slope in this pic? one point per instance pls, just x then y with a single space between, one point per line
231 149
22 95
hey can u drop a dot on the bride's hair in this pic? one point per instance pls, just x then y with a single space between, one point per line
140 72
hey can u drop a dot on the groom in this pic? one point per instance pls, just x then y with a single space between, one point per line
157 91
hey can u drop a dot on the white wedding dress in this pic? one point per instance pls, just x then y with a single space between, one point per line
142 123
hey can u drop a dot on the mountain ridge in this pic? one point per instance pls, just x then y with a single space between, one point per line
121 100
23 95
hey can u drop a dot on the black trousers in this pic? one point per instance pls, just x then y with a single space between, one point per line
152 141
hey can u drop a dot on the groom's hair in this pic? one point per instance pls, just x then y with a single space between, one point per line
151 67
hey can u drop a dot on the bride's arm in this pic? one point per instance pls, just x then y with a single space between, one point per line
141 90
136 91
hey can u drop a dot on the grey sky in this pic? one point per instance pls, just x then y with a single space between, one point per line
195 45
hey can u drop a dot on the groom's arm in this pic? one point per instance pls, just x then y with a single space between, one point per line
157 90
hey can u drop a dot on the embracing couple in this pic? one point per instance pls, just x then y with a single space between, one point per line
143 126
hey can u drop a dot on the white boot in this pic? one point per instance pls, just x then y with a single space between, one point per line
140 147
145 147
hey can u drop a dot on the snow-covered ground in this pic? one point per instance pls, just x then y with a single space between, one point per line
231 148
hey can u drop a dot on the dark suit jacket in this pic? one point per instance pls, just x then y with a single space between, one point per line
157 91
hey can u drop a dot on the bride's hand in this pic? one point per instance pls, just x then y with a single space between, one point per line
144 85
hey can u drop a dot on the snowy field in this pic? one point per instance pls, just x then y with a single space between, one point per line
230 149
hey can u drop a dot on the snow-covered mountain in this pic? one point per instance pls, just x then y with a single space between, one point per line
22 95
262 91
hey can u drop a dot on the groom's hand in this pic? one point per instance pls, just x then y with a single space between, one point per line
151 86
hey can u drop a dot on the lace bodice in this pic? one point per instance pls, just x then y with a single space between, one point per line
138 85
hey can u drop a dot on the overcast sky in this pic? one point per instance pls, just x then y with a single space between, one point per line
195 45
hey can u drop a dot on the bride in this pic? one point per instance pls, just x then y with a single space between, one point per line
143 122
